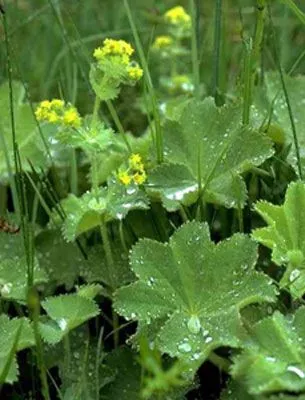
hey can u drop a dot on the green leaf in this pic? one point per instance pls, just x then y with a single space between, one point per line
88 211
215 149
273 359
27 135
285 235
83 373
96 269
236 391
295 87
13 268
105 87
9 328
127 382
61 260
181 282
66 313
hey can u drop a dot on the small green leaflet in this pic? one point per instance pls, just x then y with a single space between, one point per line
208 145
66 312
179 285
88 211
273 359
285 235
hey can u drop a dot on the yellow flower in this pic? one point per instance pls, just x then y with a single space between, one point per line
52 117
139 177
124 177
71 117
162 42
45 104
135 73
56 103
113 47
177 16
135 159
57 111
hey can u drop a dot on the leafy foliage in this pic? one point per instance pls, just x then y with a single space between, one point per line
275 96
13 268
285 235
180 282
89 210
212 149
8 331
63 270
273 360
97 270
66 312
27 135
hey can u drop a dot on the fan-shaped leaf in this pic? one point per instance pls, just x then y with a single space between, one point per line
182 281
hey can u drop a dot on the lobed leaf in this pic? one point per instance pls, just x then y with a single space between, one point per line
179 284
285 236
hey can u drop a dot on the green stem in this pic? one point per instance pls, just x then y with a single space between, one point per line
149 84
34 309
195 38
220 362
110 265
247 95
118 124
94 173
73 173
286 95
253 52
217 47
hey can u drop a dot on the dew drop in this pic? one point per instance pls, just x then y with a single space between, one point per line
194 324
184 347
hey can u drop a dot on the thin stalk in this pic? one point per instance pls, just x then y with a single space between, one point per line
110 265
286 95
118 124
122 236
194 6
220 362
149 84
217 50
295 9
247 95
34 309
73 173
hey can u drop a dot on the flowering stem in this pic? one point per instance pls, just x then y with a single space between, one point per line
118 124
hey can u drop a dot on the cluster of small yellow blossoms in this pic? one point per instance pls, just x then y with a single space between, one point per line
57 111
135 173
119 52
114 48
177 16
162 42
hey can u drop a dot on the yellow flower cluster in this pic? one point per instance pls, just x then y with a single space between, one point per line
135 173
118 52
162 42
135 72
113 47
57 111
177 16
